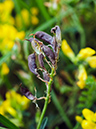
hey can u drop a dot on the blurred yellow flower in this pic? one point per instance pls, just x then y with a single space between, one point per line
90 119
88 114
4 69
13 103
82 76
1 110
67 50
6 8
8 5
34 11
25 15
92 61
86 52
34 20
20 35
79 119
8 34
25 18
88 124
21 100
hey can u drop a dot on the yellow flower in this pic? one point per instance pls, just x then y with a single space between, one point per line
20 35
1 110
88 114
81 84
34 20
86 52
92 61
89 121
79 119
34 11
25 17
8 5
67 50
5 69
82 76
8 109
21 100
1 7
88 124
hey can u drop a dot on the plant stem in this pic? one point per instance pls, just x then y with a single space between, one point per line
47 99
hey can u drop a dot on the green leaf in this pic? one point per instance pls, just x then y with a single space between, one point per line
4 58
44 123
82 98
43 10
7 123
2 128
61 110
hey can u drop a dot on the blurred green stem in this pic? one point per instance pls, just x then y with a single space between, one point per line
43 10
47 99
61 111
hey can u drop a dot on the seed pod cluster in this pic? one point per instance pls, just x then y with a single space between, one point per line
49 52
45 53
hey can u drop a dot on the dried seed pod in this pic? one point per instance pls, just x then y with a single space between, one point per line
40 58
27 93
44 36
32 64
57 31
46 76
49 53
36 45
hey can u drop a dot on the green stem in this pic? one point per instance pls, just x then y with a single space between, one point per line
47 99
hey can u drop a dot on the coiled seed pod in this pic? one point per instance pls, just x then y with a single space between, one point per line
57 31
40 58
27 93
46 76
44 36
32 64
49 53
36 45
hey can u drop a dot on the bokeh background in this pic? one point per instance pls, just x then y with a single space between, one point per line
77 21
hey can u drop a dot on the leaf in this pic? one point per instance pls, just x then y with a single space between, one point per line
4 58
44 123
2 128
43 9
61 110
7 123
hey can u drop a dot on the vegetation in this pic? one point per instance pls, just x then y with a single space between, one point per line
47 64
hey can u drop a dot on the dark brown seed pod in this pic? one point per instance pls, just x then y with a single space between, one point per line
32 64
31 39
49 53
44 36
27 93
57 31
46 76
40 58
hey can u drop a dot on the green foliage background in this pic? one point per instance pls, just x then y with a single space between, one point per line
77 20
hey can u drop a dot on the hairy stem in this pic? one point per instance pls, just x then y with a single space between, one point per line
46 100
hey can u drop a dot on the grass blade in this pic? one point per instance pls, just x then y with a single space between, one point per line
7 123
